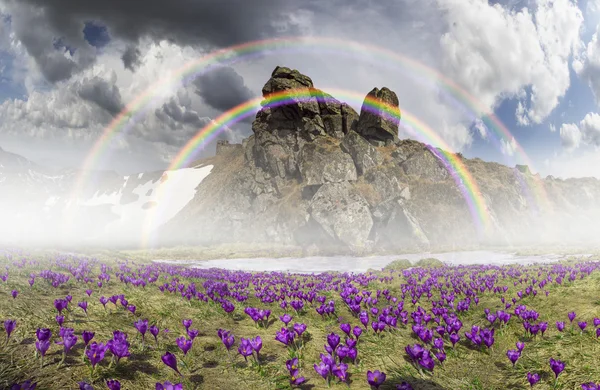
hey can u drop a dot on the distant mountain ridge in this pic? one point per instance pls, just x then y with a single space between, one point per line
314 174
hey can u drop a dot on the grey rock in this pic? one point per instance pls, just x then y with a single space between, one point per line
376 123
424 164
342 213
350 118
365 156
387 186
396 227
323 161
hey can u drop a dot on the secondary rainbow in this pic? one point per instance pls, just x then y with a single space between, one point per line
249 49
453 163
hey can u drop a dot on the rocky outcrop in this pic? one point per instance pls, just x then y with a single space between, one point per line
343 213
379 121
425 164
323 161
281 132
317 174
364 155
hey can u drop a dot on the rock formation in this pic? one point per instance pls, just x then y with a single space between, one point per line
316 173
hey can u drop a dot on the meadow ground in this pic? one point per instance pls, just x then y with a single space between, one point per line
208 365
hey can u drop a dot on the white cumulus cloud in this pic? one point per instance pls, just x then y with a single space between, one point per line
496 52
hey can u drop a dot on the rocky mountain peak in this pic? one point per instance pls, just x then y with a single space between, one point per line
319 139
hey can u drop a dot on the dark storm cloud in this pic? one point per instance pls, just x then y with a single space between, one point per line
131 58
176 115
101 93
222 89
39 35
201 22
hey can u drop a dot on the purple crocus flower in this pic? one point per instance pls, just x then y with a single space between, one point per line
520 345
245 348
333 340
560 325
341 372
184 344
87 336
375 378
286 318
27 385
103 300
9 327
582 325
84 306
60 319
346 328
119 346
142 327
154 332
322 369
60 305
43 334
171 361
68 341
131 308
85 386
513 355
357 331
113 384
42 347
557 366
227 338
169 386
571 316
533 378
299 328
187 323
14 293
590 386
454 338
256 344
441 356
95 353
88 292
193 333
404 386
596 322
295 378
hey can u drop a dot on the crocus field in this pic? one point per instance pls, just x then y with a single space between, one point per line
85 323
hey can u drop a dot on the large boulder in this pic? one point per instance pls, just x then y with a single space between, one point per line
283 78
364 154
376 122
386 185
323 161
280 132
425 165
396 227
342 213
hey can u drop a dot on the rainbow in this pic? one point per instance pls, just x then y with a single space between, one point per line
250 49
453 163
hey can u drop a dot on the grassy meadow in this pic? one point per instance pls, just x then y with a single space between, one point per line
208 364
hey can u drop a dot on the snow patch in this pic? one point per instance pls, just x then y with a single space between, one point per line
157 202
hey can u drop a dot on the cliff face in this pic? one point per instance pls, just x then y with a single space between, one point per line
316 173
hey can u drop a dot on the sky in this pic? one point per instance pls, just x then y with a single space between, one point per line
68 68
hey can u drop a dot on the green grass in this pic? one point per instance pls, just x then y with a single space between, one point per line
209 367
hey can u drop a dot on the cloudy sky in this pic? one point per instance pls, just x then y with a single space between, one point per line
69 67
